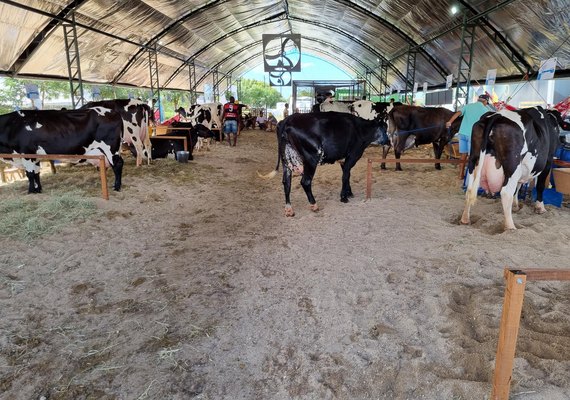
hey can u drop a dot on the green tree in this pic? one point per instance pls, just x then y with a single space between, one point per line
258 94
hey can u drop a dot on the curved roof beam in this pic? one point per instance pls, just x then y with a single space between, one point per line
434 63
256 43
480 16
501 41
314 23
438 67
273 18
163 32
43 34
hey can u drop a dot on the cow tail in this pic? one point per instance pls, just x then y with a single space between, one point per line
479 140
280 151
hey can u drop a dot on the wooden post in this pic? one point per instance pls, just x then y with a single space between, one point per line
369 180
103 174
508 332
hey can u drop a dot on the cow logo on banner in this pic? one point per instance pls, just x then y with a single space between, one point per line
281 57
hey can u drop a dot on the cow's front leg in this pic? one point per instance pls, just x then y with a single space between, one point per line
34 185
287 173
438 151
118 170
306 182
385 151
349 162
397 153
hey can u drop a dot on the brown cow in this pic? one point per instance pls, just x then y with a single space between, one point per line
411 126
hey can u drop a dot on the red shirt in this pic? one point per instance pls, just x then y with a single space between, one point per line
231 111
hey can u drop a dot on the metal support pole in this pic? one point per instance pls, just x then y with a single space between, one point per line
229 84
73 63
215 85
192 82
238 84
411 73
154 83
465 63
384 89
367 84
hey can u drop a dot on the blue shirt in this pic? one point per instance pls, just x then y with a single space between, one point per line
471 114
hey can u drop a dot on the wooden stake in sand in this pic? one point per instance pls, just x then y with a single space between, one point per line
510 323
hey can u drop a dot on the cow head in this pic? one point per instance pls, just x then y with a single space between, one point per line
364 109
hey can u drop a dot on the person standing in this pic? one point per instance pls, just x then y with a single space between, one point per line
230 118
471 114
286 111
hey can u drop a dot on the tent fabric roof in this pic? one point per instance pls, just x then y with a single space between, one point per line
512 36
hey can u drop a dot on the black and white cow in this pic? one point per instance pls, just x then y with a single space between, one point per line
330 104
163 148
91 131
307 140
372 110
209 115
508 148
410 126
136 115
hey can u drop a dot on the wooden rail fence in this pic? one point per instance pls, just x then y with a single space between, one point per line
100 157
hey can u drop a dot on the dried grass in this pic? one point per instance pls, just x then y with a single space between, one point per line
27 218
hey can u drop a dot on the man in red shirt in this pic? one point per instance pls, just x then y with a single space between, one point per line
230 119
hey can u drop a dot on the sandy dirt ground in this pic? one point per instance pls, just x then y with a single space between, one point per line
192 284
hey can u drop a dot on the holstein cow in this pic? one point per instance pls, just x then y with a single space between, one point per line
410 126
371 110
329 105
508 148
306 140
136 116
162 148
209 115
88 131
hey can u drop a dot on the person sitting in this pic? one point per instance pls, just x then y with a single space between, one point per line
261 121
271 123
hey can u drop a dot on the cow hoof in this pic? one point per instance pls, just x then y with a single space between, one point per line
382 167
344 199
438 167
350 194
462 222
289 212
314 207
540 210
398 169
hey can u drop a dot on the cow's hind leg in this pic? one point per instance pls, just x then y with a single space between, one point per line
287 173
118 170
438 151
306 182
540 185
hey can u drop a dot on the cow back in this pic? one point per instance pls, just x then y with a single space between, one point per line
59 131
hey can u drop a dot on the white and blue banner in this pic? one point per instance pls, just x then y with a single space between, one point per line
547 69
